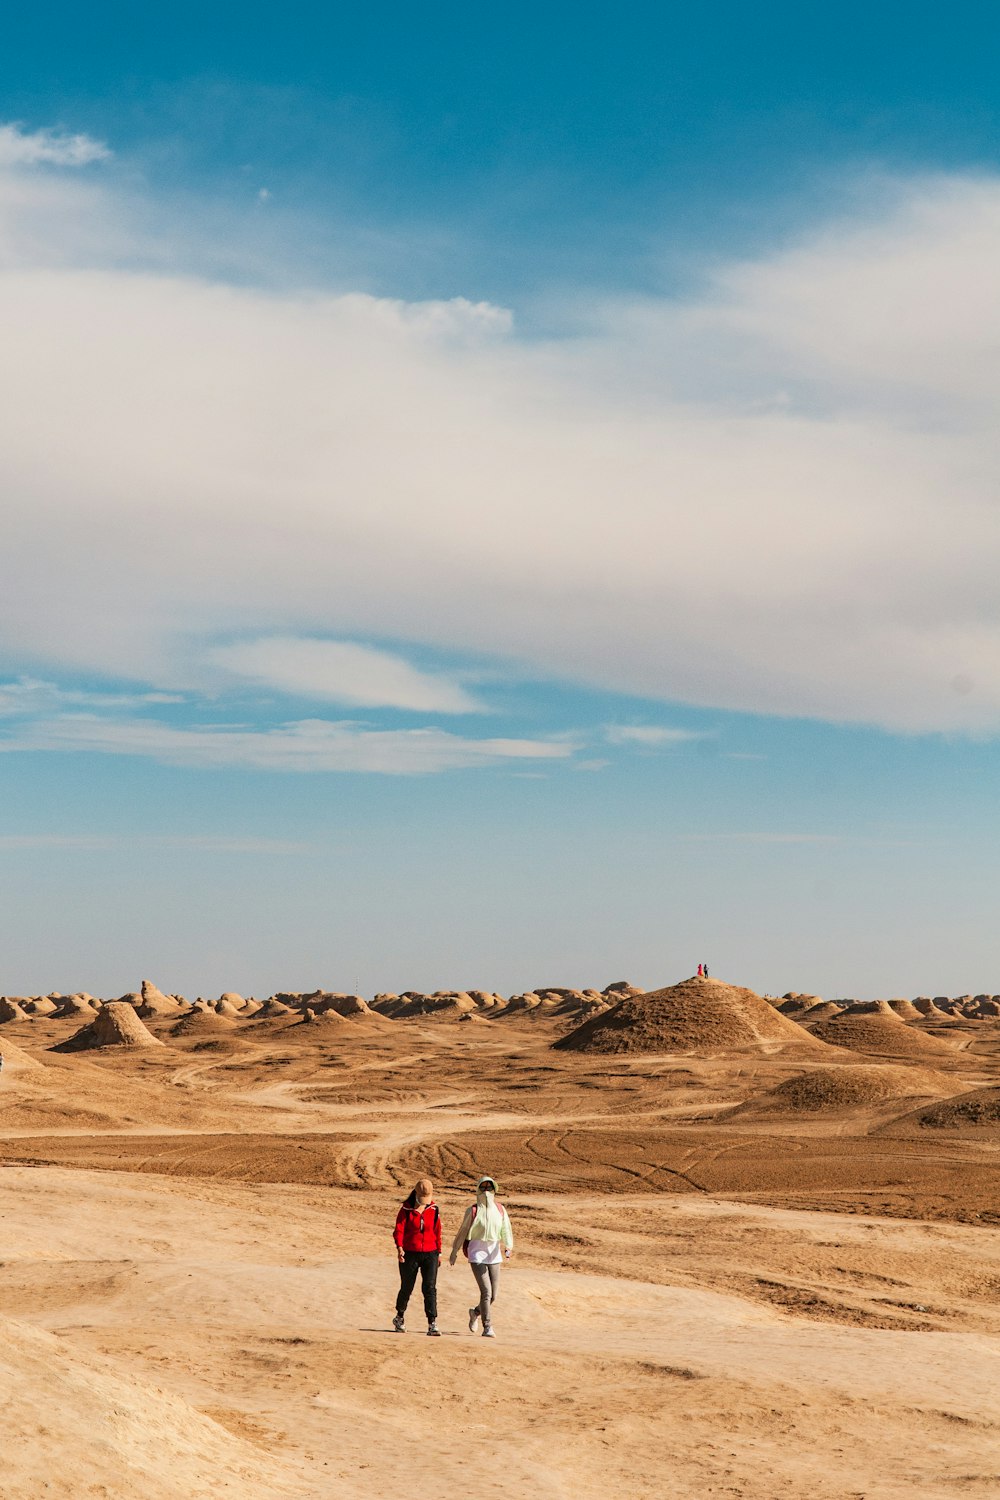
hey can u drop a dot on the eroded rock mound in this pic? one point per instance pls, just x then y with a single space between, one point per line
200 1022
323 1018
975 1113
876 1029
930 1009
16 1060
697 1015
829 1090
39 1005
10 1010
151 1001
271 1010
115 1025
412 1004
821 1011
906 1010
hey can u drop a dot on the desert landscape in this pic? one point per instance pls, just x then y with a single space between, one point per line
756 1249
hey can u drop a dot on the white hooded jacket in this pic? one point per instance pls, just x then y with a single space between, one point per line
486 1227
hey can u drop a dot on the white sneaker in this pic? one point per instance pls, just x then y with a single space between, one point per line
473 1318
488 1333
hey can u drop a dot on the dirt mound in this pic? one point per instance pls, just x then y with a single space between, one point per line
413 1005
697 1015
39 1005
988 1008
153 1002
329 1018
197 1022
822 1011
827 1090
349 1005
74 1006
975 1113
877 1030
906 1010
930 1009
115 1025
16 1060
10 1010
270 1009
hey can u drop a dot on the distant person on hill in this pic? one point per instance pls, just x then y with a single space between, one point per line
417 1238
704 970
701 970
486 1238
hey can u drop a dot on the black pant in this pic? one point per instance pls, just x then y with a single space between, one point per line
426 1262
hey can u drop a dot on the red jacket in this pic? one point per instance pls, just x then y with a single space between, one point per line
418 1228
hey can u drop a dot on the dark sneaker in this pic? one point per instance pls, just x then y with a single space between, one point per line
433 1331
397 1323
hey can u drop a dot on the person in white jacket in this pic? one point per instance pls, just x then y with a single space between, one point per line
487 1239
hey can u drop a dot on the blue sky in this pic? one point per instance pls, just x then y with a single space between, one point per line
499 500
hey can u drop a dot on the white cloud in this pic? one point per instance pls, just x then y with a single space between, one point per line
343 672
648 736
28 697
777 497
306 745
32 148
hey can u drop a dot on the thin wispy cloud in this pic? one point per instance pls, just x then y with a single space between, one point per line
343 672
29 697
310 745
649 736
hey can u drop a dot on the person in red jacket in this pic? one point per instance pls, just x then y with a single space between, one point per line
417 1238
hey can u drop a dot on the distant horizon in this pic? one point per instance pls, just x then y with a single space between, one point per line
264 994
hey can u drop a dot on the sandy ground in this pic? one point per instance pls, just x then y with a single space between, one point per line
707 1299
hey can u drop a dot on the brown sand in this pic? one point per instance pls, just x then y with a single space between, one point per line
198 1274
